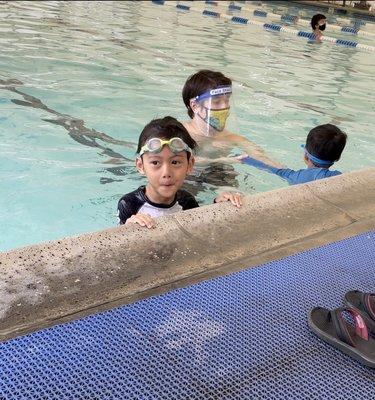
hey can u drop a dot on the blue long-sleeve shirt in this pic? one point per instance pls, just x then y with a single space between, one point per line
291 176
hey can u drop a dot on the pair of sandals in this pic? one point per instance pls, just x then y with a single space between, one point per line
350 328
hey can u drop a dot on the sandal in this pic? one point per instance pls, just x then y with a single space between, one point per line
354 341
365 303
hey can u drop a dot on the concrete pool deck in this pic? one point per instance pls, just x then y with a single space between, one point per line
53 282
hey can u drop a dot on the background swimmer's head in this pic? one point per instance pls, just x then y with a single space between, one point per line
318 20
199 83
326 142
166 128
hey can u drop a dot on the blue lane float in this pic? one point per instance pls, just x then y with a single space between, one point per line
239 20
289 18
272 27
233 7
210 13
182 7
349 29
308 35
346 43
259 13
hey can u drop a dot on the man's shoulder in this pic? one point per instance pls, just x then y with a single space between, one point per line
228 135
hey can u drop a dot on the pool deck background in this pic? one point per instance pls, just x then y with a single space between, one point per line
54 282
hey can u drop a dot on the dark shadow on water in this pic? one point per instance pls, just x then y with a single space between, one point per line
76 127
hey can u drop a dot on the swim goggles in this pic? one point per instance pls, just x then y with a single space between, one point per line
316 160
155 145
214 92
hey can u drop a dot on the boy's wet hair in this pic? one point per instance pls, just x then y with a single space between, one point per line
326 142
315 19
200 82
166 128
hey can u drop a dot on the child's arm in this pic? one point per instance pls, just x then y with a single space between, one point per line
234 198
128 214
254 162
254 150
289 175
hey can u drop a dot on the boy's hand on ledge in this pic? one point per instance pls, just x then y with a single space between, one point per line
234 198
141 219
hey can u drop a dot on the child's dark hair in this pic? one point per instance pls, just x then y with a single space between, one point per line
315 19
166 128
326 142
199 82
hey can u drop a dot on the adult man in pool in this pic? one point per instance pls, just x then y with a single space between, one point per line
208 98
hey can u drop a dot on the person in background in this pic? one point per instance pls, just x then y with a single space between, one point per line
318 25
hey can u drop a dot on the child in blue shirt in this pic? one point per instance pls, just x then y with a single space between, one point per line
324 145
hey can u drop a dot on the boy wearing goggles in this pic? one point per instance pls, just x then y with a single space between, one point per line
165 157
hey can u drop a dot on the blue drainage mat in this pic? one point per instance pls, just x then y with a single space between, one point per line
241 336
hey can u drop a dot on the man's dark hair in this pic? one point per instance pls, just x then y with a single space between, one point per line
166 128
326 142
315 19
200 82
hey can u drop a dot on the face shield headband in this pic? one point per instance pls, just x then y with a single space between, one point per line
220 90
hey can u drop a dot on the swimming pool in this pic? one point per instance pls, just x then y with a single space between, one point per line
114 66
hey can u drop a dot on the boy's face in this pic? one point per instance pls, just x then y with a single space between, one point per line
165 172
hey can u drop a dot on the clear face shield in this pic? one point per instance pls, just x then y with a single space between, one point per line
213 110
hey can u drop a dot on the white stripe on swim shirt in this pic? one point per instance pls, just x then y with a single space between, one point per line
158 211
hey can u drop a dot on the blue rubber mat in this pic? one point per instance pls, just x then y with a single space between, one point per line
242 336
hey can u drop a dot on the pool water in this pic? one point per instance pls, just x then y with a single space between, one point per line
79 80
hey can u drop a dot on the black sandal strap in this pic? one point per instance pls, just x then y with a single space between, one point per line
368 300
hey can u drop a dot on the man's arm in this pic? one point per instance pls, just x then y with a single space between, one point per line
253 150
